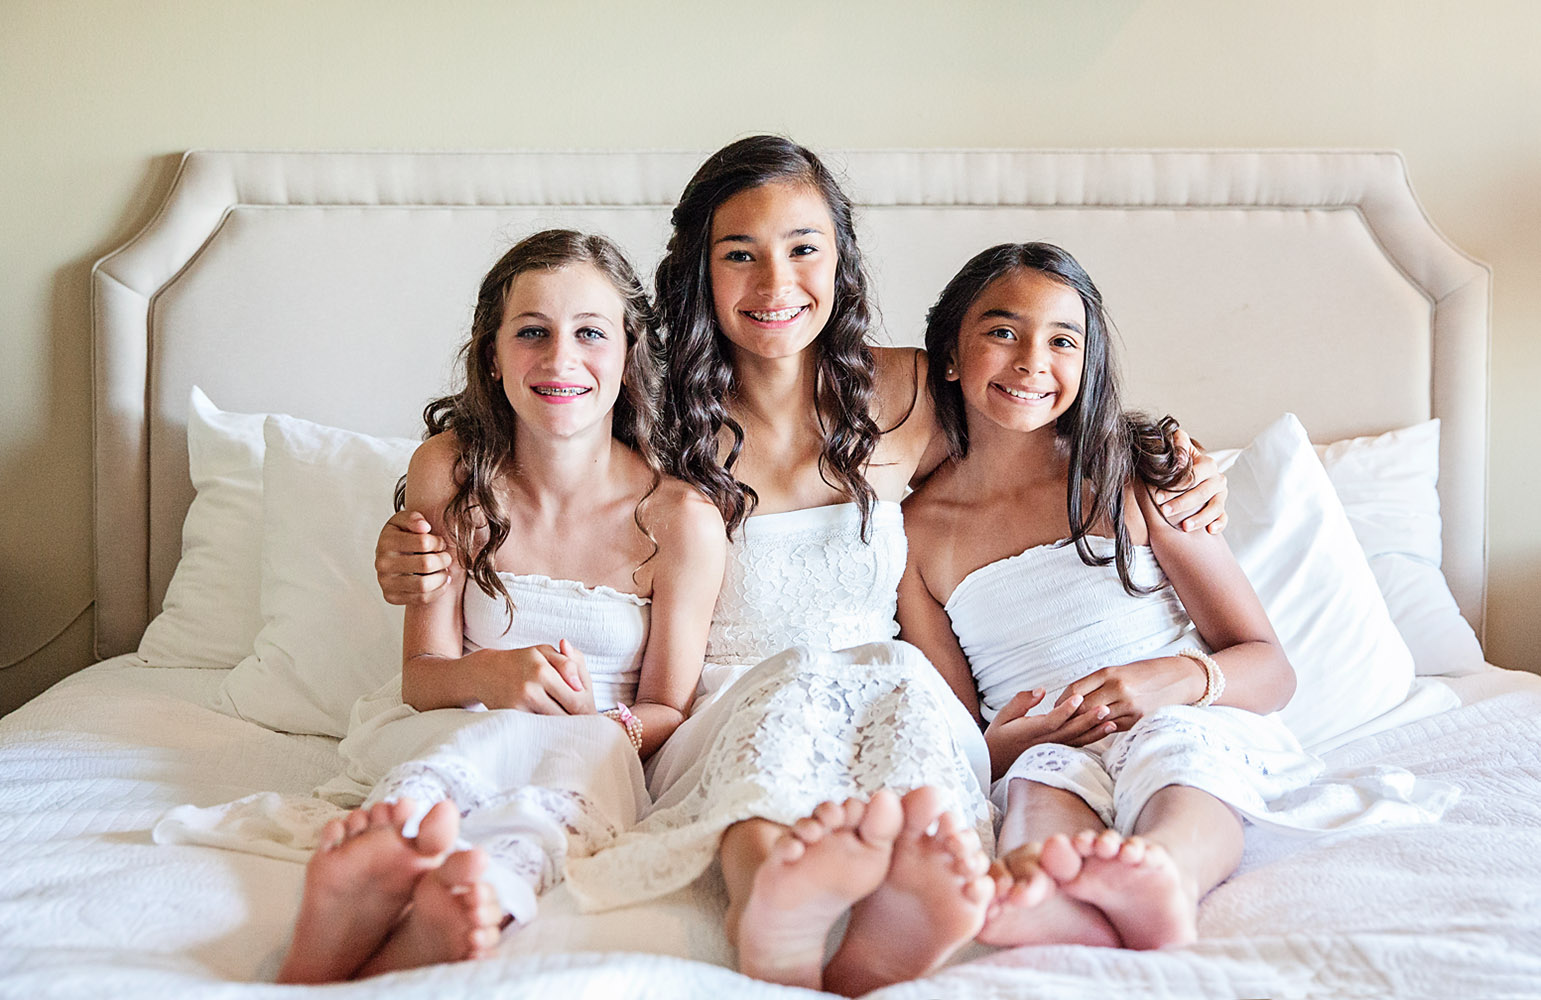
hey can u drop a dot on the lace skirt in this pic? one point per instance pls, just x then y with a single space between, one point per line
803 727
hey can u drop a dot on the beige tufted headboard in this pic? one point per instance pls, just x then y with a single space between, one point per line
336 286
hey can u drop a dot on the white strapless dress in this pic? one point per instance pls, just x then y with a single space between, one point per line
1043 619
805 697
532 789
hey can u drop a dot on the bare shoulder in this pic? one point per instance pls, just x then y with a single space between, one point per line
431 472
1135 513
931 510
685 520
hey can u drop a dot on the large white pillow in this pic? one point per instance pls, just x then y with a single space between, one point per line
1388 487
1293 540
327 635
210 615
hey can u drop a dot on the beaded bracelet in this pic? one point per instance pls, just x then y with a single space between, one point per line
630 723
1214 678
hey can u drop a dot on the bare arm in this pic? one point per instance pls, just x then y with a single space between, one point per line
1229 617
1226 611
687 576
434 673
923 623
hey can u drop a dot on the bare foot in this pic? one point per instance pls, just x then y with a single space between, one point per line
932 903
1133 881
454 917
814 872
357 884
1029 908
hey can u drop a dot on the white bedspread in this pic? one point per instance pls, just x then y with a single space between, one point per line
89 906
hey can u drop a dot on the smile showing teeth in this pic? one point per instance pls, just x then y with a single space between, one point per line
1020 394
562 390
774 315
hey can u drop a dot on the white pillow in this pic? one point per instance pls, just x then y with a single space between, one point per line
327 635
1294 542
1388 487
210 616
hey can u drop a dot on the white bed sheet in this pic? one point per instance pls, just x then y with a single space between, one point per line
89 906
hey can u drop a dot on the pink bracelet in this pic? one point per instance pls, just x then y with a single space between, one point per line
630 723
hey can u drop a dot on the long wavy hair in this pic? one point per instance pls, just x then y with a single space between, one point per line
700 382
476 520
1107 445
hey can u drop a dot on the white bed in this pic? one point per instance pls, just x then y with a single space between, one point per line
334 287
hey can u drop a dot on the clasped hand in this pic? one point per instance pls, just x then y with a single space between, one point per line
1102 702
542 679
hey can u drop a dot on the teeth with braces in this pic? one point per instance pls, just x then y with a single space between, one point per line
775 316
564 391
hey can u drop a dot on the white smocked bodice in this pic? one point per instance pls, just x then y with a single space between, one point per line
609 627
1044 618
806 576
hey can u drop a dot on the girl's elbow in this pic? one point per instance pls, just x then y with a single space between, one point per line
1285 680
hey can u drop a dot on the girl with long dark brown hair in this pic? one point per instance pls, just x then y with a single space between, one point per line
1126 667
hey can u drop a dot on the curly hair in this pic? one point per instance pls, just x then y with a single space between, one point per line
699 378
483 421
1108 446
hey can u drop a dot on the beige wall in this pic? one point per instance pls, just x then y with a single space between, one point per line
96 98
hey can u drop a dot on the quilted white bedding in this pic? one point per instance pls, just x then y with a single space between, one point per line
89 906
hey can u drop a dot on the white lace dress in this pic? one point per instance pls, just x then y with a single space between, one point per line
532 790
805 697
1044 618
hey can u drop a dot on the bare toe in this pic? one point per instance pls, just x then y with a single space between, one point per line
1062 857
922 807
882 819
437 830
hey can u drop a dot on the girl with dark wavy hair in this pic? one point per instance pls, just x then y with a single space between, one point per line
581 586
778 408
1126 667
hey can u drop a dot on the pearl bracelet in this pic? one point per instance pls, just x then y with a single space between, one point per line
630 723
1214 678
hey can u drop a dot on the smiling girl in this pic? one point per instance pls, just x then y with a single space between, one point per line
581 582
1126 666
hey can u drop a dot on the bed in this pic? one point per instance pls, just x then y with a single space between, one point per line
334 287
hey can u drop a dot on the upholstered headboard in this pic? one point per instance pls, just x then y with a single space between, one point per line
336 286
